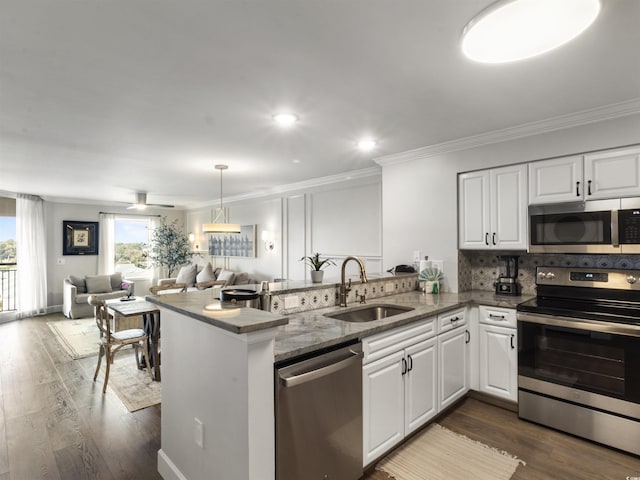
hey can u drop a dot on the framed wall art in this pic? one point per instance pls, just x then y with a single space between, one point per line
241 244
79 238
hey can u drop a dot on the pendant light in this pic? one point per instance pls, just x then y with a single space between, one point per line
221 222
510 30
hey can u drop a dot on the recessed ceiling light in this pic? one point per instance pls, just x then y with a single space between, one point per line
366 144
295 160
510 30
285 119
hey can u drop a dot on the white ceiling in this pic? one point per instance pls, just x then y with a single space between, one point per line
100 99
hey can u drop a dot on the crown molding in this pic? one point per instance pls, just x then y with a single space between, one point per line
292 187
584 117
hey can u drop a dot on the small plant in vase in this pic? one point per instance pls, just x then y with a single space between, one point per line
317 265
431 278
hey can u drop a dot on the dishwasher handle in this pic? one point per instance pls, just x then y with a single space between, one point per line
308 376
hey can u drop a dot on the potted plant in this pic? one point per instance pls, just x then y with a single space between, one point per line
169 247
430 279
317 265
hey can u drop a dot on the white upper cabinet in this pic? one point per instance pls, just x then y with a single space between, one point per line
493 209
556 180
610 174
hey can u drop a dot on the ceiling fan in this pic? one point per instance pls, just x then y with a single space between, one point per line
141 203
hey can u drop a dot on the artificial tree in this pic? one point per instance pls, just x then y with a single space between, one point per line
169 246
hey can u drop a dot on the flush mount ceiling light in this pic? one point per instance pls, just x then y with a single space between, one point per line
366 144
221 222
285 119
510 30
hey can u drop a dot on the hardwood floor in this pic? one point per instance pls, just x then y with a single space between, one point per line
55 423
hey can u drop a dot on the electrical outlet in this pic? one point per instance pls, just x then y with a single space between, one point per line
291 301
198 432
416 255
439 264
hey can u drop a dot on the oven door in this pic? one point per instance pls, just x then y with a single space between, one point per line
585 355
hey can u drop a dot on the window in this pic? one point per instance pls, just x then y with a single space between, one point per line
7 240
131 241
8 258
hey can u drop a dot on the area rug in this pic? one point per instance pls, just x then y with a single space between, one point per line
440 454
78 337
133 387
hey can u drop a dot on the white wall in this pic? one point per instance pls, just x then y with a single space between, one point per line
420 197
79 265
337 219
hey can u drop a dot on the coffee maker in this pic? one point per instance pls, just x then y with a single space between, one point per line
507 282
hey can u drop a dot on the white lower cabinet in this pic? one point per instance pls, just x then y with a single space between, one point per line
498 352
498 361
382 405
452 361
399 390
420 399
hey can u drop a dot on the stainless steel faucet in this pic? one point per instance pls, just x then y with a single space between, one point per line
344 288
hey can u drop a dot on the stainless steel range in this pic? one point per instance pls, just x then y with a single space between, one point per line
579 354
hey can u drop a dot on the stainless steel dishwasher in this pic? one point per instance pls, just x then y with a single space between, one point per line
319 416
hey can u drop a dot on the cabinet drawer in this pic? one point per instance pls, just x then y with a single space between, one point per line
450 320
385 343
505 317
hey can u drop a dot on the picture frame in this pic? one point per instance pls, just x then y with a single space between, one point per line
241 244
79 238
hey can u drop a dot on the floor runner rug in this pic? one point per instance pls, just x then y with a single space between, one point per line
440 454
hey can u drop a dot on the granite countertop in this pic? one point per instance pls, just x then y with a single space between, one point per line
309 331
204 306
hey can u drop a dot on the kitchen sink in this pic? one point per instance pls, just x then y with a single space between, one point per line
369 313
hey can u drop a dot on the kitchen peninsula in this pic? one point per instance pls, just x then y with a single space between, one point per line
218 390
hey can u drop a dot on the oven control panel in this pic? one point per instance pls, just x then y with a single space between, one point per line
589 277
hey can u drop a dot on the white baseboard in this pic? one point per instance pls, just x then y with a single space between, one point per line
167 469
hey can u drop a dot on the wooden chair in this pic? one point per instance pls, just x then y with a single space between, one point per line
111 342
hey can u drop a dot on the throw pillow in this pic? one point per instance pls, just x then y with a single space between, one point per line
187 275
206 275
98 283
79 283
116 281
241 279
228 276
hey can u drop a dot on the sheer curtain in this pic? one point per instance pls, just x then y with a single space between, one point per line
31 255
107 244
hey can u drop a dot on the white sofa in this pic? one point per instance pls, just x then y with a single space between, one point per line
77 290
191 278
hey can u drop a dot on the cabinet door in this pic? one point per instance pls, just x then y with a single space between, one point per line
452 365
498 361
509 208
420 385
474 212
612 174
383 405
556 180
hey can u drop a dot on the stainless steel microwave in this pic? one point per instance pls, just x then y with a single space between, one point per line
593 227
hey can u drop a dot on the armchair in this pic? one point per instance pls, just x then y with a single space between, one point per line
77 290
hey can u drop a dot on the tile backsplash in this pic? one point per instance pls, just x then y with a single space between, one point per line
477 270
328 295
